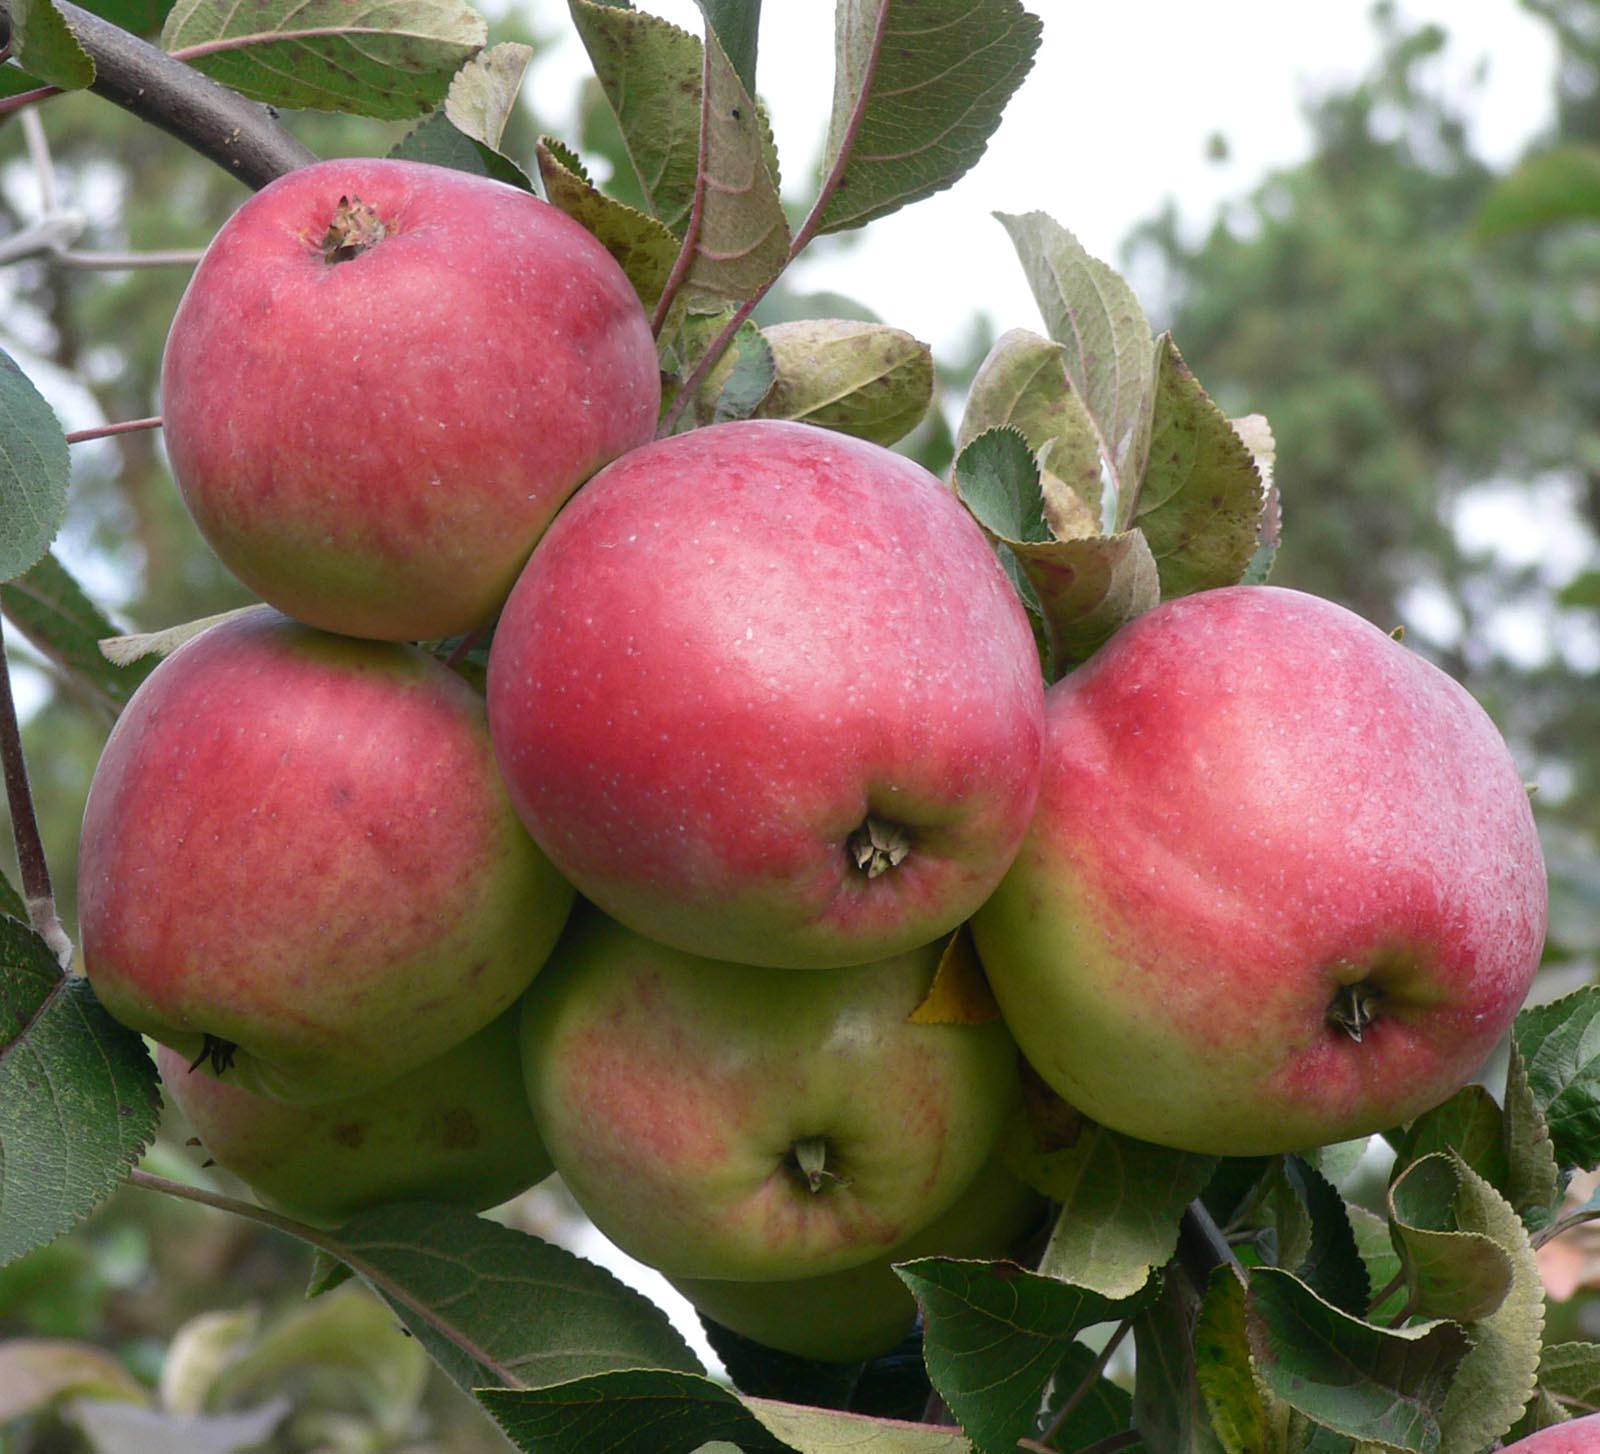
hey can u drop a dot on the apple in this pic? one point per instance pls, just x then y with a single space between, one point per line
863 1312
1283 887
456 1129
298 860
1577 1436
385 378
764 693
728 1121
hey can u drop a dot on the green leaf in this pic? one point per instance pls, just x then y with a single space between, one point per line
138 17
1497 1377
387 58
1382 1263
1583 590
771 1373
43 42
36 1374
51 609
741 238
1105 339
494 1306
437 141
736 24
125 650
483 93
1384 1385
650 71
738 381
1451 1273
78 1097
1235 1401
918 90
11 902
1022 385
1560 185
1471 1124
652 1411
34 471
1200 500
993 1337
1560 1046
1169 1409
1329 1264
1256 433
1085 589
644 247
864 379
1570 1373
1121 1201
1101 1409
1533 1180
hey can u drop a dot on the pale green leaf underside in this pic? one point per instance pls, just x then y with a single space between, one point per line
43 42
385 58
34 471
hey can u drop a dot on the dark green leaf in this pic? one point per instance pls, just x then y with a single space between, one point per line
1169 1409
43 42
78 1097
1570 1372
11 902
770 1373
993 1337
391 60
1471 1124
1561 185
918 90
1121 1201
1534 1183
1380 1384
138 17
998 482
1560 1046
1200 499
1330 1264
864 379
643 246
497 1307
51 609
736 24
650 71
1100 1410
437 141
1583 590
1451 1273
33 472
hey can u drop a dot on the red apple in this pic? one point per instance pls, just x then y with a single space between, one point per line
1578 1436
765 693
719 1120
456 1129
298 859
383 381
1283 887
862 1312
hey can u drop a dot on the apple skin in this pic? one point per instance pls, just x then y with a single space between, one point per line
1251 798
1578 1436
672 1093
456 1129
299 844
732 649
863 1312
373 445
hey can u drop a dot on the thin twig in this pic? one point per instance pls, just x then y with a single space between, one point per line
176 257
31 862
10 105
102 431
1092 1376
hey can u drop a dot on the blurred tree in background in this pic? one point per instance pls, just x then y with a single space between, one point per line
1435 396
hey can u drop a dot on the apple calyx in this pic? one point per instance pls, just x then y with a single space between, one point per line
809 1158
355 227
215 1052
1354 1007
876 846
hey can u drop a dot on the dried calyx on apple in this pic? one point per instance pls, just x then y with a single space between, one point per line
355 227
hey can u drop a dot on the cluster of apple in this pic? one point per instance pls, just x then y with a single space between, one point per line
1255 878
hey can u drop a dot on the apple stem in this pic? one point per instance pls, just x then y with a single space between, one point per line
1354 1008
876 846
811 1158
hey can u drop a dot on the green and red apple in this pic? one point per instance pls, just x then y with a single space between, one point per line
299 861
383 381
764 693
1283 886
726 1121
456 1129
1578 1436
